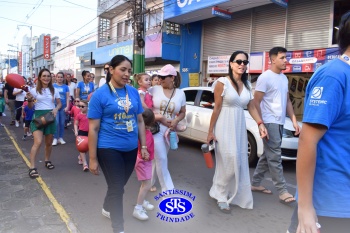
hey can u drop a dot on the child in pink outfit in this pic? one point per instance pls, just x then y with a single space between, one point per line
144 82
81 128
143 168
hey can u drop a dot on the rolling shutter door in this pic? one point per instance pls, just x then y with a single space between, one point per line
268 27
308 24
223 37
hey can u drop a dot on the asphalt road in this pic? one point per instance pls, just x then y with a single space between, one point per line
82 194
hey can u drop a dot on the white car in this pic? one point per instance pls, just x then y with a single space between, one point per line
199 107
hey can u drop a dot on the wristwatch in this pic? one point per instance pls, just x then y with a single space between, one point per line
143 147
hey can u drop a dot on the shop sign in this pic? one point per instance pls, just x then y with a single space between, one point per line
221 13
218 64
179 7
193 79
47 47
106 53
282 3
304 61
20 62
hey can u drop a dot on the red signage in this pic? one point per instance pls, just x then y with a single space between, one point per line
47 47
19 62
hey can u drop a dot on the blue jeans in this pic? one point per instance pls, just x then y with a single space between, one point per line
117 167
271 159
60 119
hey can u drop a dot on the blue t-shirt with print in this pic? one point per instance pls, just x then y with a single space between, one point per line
106 106
327 102
62 89
85 89
29 113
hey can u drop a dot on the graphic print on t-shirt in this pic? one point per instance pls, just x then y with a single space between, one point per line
121 117
169 111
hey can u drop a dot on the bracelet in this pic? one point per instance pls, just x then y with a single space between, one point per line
143 147
260 122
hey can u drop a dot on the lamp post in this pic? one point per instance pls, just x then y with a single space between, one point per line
30 49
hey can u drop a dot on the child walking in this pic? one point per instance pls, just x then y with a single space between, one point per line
27 115
143 168
81 128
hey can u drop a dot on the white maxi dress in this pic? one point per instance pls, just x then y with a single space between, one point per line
231 182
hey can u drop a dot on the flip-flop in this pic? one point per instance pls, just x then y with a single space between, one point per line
288 203
264 191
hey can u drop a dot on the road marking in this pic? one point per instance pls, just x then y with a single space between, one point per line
58 207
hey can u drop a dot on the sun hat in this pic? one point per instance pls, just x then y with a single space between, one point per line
167 70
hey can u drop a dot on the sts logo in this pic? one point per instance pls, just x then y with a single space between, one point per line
173 207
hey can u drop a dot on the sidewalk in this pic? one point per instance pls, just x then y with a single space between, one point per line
24 206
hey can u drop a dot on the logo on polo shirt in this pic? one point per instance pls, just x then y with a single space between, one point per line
317 93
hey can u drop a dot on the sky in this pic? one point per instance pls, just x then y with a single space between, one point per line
62 18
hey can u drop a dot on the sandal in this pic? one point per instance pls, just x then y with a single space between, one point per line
224 207
49 165
153 189
33 173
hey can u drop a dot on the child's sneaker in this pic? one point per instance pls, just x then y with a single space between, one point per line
147 205
80 162
86 168
140 214
106 213
29 134
24 137
61 141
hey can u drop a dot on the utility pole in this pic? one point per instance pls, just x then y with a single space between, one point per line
139 33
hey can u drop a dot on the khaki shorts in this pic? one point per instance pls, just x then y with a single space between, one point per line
49 129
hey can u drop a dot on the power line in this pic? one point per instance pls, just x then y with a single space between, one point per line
78 5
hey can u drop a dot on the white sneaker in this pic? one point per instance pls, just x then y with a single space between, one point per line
17 124
140 214
106 214
147 205
3 114
54 142
61 141
29 134
24 125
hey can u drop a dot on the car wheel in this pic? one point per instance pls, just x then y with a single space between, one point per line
252 154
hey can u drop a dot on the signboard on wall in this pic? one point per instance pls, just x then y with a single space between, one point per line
193 79
218 64
175 8
47 47
304 61
221 13
256 63
20 62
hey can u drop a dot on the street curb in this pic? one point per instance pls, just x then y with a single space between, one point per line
58 207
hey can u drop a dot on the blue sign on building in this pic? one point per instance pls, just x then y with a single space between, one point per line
89 47
173 8
106 53
221 13
282 3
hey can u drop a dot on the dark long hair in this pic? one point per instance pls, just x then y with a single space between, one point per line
344 32
244 75
85 72
116 60
39 85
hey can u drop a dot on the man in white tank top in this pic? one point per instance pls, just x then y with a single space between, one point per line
271 99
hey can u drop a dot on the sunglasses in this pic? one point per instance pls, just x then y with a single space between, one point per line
239 62
164 77
82 106
76 101
106 68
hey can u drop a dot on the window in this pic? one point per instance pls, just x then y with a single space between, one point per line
119 31
207 100
153 19
104 28
190 96
340 8
128 27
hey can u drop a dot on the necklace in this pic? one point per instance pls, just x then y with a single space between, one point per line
127 103
346 58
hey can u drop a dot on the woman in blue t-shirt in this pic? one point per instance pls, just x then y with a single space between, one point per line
115 125
61 114
85 87
323 165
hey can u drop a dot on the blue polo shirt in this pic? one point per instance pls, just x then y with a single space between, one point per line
106 106
327 102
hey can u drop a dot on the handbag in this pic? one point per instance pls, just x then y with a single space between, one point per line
155 127
44 120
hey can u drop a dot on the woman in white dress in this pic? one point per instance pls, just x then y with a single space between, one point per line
231 182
